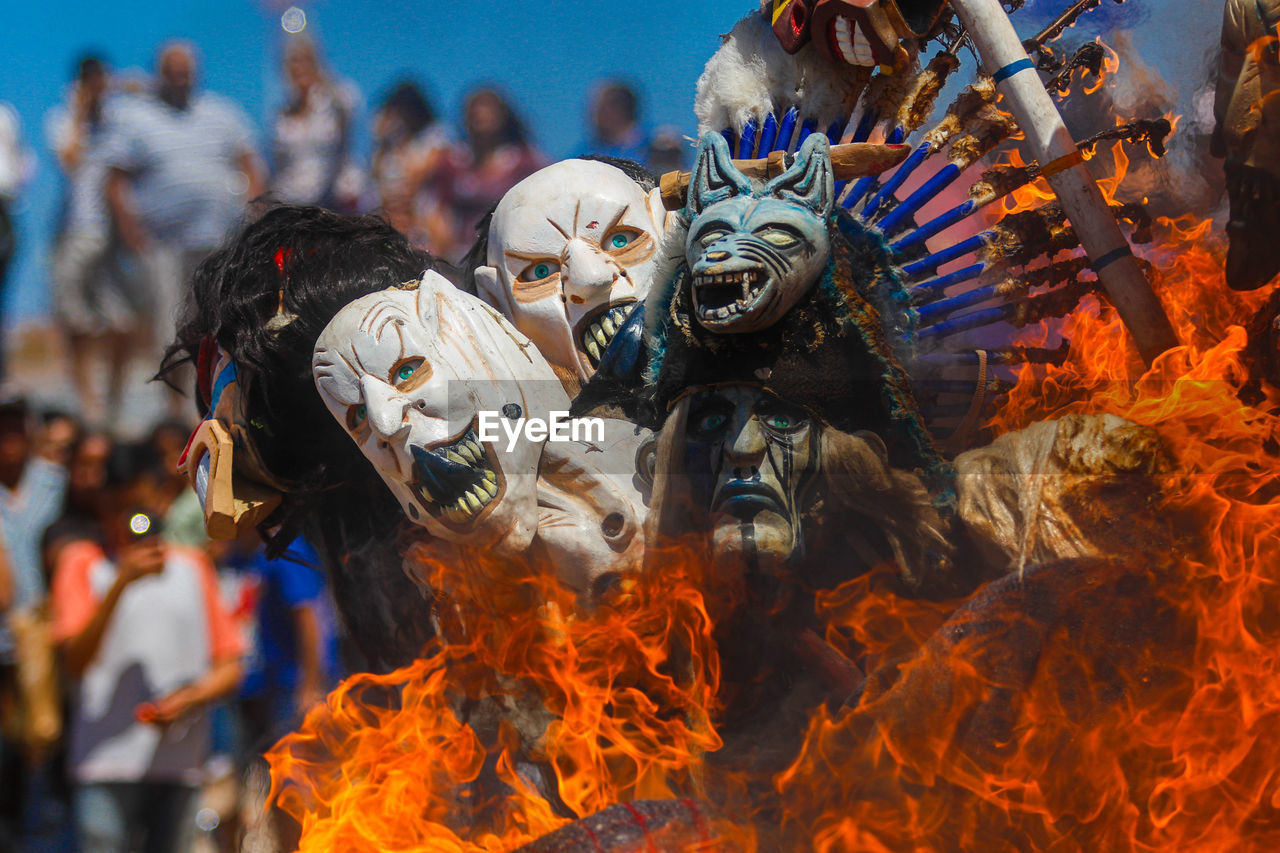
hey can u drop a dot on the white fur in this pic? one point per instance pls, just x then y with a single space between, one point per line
751 76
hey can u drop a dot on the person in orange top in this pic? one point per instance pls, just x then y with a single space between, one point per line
149 646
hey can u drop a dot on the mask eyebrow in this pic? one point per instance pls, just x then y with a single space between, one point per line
778 226
568 235
713 225
555 225
530 256
613 224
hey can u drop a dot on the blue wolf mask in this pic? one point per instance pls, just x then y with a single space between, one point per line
753 250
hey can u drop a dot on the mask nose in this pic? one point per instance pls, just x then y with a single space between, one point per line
585 270
385 406
746 449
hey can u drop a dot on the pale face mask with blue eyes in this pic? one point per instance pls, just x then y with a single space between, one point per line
572 249
407 373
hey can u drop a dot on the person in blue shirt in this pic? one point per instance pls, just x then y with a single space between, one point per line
294 654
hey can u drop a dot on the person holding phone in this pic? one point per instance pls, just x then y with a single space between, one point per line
148 645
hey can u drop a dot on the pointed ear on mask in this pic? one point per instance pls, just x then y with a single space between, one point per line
490 288
809 181
715 177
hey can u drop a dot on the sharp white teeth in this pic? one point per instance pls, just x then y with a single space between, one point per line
472 502
593 350
607 325
491 477
598 334
490 488
476 449
453 456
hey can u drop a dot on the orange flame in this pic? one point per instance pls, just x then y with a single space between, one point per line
616 703
1110 66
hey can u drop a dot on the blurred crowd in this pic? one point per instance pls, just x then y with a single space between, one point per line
143 667
157 169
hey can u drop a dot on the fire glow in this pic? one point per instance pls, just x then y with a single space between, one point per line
1178 751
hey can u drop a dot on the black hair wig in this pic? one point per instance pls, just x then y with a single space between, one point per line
265 296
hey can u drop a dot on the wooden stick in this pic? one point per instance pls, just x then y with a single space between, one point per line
850 160
1004 57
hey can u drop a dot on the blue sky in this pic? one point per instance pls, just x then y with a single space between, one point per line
545 54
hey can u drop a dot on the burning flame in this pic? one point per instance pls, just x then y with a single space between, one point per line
1110 67
1183 754
616 703
1165 741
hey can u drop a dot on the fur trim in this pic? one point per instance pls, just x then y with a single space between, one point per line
751 76
665 282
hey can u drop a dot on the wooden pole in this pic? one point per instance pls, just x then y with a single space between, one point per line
851 160
1051 144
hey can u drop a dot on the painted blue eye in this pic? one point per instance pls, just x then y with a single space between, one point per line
538 271
711 422
779 421
407 368
620 240
356 415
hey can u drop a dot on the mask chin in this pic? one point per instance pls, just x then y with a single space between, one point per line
764 544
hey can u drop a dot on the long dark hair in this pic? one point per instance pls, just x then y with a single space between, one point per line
307 263
411 104
511 130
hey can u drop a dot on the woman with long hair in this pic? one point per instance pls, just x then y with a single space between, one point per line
497 155
410 148
311 135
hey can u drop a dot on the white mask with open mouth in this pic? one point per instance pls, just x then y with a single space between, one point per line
408 373
571 249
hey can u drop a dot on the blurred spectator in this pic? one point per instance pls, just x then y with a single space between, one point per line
668 150
183 514
497 156
615 123
147 641
1247 135
97 302
181 167
294 660
410 147
87 476
12 173
311 138
32 486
